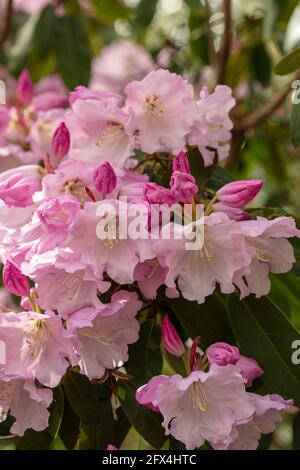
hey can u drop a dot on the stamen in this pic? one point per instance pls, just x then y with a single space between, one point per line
111 133
73 284
199 396
155 106
36 335
100 336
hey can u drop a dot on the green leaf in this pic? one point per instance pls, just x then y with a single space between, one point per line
144 360
145 12
289 63
33 440
208 320
122 428
82 396
43 34
72 50
285 293
69 429
295 125
219 177
261 63
146 422
266 334
108 11
98 436
199 171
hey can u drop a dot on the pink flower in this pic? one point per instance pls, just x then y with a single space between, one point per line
205 406
14 281
269 251
217 253
105 178
162 110
222 354
250 369
97 124
37 346
118 64
181 163
156 194
58 214
49 100
25 87
232 212
146 394
171 339
212 126
239 193
17 186
103 335
183 187
26 403
61 142
268 412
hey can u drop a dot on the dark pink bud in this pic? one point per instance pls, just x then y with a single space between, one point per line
181 163
239 193
250 369
111 447
156 194
105 179
233 212
195 358
61 142
171 339
222 354
15 282
25 87
183 187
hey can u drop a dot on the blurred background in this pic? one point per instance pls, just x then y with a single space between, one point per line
107 43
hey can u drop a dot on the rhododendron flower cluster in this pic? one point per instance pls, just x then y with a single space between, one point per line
82 295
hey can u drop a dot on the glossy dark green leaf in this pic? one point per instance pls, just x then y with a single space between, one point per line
146 422
219 177
69 429
82 396
72 50
122 428
145 12
289 63
295 125
266 334
98 436
261 64
43 34
208 320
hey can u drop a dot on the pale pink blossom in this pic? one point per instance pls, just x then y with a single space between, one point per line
36 347
26 403
103 335
162 111
250 369
212 126
205 406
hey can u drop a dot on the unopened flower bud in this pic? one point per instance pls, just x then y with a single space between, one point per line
25 87
14 280
156 194
171 339
105 178
239 193
183 187
222 354
61 142
181 163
